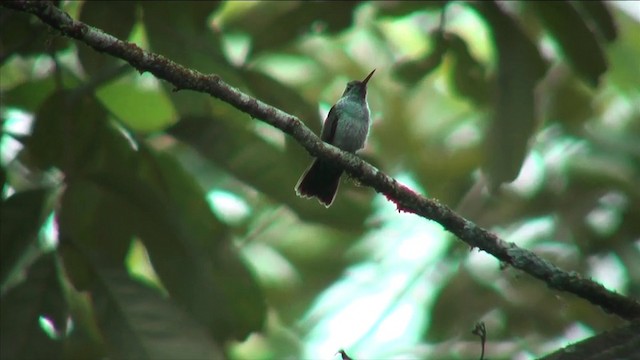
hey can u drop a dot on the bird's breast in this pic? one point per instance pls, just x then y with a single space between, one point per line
353 125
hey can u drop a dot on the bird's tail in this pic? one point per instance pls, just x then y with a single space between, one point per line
321 181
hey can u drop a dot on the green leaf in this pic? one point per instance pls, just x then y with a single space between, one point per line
580 47
3 179
189 248
65 131
468 74
27 36
30 95
520 67
600 17
96 223
226 143
273 25
21 219
138 323
411 72
624 73
184 36
567 101
281 96
189 41
485 298
113 188
402 8
21 308
115 18
139 107
191 251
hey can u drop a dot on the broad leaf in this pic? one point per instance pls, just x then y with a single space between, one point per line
115 191
412 72
27 37
66 130
468 76
403 8
576 41
21 310
267 31
189 248
189 41
601 18
140 107
139 323
227 144
21 219
520 67
115 18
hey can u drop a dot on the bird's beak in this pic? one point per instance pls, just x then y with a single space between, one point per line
368 77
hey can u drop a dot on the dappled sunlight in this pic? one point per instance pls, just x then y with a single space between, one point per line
379 306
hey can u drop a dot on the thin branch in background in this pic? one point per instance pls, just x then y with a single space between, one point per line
481 331
344 355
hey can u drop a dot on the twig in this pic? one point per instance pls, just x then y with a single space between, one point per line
344 355
481 331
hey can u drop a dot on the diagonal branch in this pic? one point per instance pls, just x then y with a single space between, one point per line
405 199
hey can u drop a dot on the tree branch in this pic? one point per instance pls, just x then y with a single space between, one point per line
405 199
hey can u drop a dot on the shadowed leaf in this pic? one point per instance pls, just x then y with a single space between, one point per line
267 31
402 8
226 143
577 43
66 129
468 74
27 37
115 18
116 191
21 308
186 241
22 216
411 72
139 323
520 67
600 15
189 41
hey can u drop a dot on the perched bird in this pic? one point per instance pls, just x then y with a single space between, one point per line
346 127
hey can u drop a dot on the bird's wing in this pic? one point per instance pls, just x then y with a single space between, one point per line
329 127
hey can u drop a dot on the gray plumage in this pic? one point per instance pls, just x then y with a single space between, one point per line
346 127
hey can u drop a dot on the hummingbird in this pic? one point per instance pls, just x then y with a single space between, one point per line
346 127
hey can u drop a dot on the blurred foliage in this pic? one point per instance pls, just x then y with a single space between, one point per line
138 222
